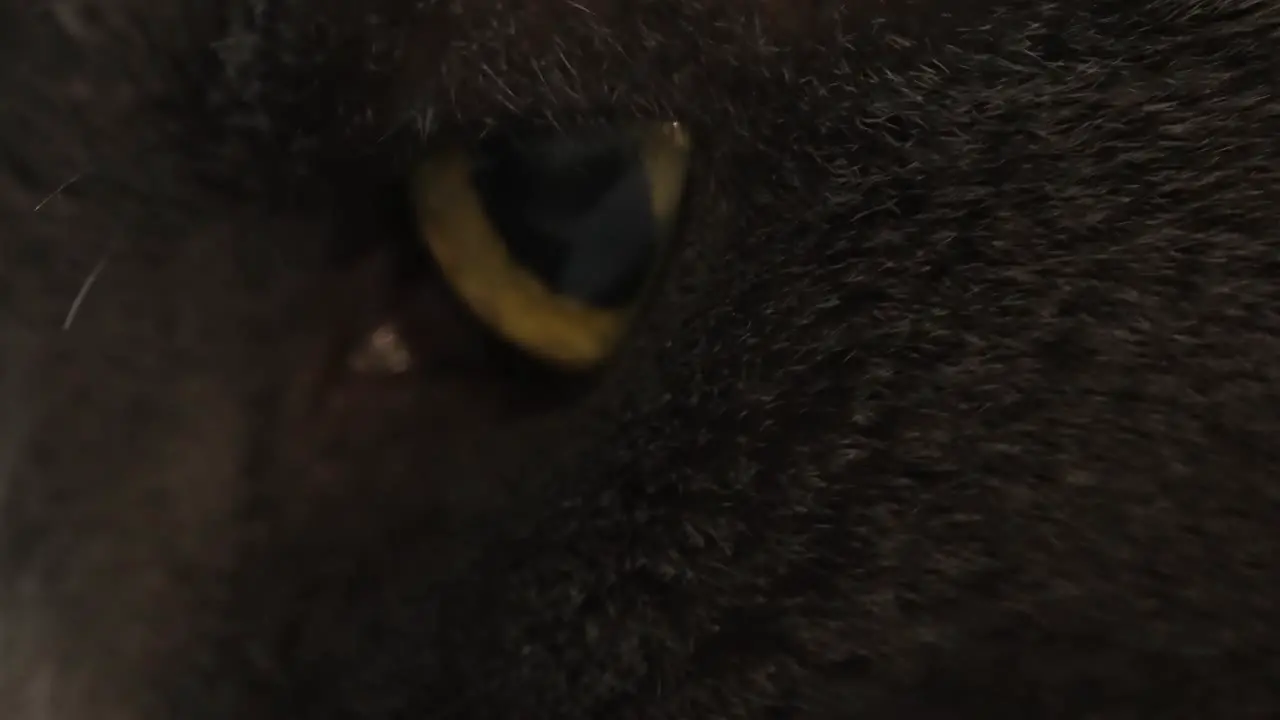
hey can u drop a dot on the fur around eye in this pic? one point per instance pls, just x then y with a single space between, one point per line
552 240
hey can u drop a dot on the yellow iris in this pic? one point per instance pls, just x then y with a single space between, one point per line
512 300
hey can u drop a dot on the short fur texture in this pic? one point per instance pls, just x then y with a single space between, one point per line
960 400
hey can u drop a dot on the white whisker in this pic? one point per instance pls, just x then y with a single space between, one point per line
84 290
57 192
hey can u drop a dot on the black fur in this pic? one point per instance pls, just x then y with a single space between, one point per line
959 400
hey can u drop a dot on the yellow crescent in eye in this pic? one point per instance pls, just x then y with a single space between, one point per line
511 300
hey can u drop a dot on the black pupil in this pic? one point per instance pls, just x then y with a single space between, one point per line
573 209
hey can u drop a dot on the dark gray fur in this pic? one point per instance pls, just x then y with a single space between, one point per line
961 399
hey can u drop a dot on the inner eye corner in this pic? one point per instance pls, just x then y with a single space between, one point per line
555 240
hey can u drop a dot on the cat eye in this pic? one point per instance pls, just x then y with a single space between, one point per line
552 240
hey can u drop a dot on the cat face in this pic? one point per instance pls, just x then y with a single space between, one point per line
934 328
210 210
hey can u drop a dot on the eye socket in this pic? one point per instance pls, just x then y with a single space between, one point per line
552 240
